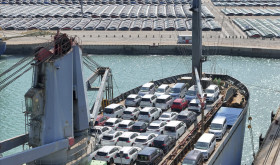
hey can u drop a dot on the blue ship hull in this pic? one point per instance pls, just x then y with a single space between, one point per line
2 48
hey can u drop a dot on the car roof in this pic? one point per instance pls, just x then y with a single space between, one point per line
206 137
156 123
127 134
173 123
146 109
148 84
112 132
178 85
139 123
219 120
148 96
126 149
130 108
163 96
112 119
195 101
98 127
178 100
147 151
132 96
106 148
125 121
163 86
192 155
213 86
113 106
185 113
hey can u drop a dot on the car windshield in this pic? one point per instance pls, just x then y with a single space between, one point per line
144 113
101 153
201 145
209 91
109 110
95 131
127 112
189 162
144 89
122 126
160 90
182 117
170 129
109 123
216 126
130 99
160 101
136 127
191 93
123 139
194 104
175 90
165 116
143 157
146 99
141 140
124 155
177 103
107 137
157 142
153 127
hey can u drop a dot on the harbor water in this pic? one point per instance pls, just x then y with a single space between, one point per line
259 75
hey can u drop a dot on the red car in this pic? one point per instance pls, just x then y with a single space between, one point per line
100 120
179 104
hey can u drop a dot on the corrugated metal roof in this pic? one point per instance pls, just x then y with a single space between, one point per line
230 113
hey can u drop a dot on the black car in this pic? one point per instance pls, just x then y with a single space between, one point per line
164 142
139 126
149 156
187 117
194 157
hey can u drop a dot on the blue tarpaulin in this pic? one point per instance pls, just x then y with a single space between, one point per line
231 114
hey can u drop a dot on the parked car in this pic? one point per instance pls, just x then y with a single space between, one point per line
127 155
168 116
107 153
212 93
178 90
139 126
156 127
125 125
149 114
113 122
164 102
164 142
148 88
187 117
127 139
149 156
131 113
206 144
194 157
179 104
191 93
175 129
111 138
148 100
100 120
144 140
114 110
218 127
132 100
162 90
196 106
99 131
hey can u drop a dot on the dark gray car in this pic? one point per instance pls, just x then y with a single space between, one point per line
194 157
187 117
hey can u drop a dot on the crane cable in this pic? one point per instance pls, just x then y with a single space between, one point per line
15 65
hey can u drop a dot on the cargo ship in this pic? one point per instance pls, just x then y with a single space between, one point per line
59 120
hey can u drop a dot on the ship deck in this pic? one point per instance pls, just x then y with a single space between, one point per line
269 151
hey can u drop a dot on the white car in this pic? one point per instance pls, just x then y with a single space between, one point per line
132 100
148 88
164 102
162 90
111 138
195 106
218 126
149 114
127 155
125 125
148 100
168 116
114 110
113 122
99 131
144 140
131 113
127 139
206 144
107 153
156 127
175 129
212 93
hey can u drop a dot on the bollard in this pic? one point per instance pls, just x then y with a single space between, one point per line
202 36
138 35
146 36
169 36
122 35
90 36
114 36
160 36
83 35
106 35
226 36
153 36
98 36
218 36
210 36
129 36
